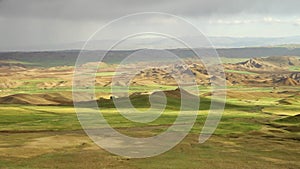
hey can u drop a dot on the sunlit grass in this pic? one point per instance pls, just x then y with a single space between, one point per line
240 72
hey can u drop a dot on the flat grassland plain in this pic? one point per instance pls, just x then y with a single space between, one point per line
259 127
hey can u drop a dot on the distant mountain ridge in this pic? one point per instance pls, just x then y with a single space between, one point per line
68 57
164 43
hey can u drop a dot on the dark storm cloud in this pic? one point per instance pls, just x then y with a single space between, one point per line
29 24
108 9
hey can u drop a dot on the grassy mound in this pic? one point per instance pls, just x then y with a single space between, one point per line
291 119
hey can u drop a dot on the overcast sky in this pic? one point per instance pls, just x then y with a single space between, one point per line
25 23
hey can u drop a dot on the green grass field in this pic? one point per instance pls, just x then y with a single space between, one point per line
294 68
253 133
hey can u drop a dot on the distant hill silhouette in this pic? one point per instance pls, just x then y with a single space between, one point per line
59 58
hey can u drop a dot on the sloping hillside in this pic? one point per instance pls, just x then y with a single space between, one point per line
272 63
38 99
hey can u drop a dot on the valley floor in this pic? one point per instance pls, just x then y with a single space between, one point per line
259 129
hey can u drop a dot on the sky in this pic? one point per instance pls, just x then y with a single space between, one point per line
29 23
